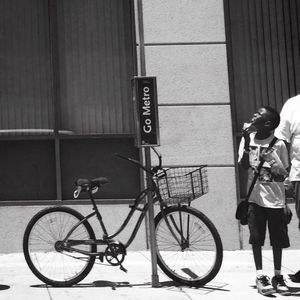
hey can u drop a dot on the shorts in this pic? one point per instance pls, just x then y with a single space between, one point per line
259 217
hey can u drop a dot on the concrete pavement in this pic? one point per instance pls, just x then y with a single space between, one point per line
234 281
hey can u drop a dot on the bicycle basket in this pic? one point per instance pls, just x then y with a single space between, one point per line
182 185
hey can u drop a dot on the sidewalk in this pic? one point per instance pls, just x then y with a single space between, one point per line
234 281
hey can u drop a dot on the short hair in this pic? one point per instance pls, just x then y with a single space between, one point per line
274 116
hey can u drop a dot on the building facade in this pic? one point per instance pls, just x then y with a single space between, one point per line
66 101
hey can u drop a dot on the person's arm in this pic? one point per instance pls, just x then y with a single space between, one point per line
288 148
283 131
277 158
244 150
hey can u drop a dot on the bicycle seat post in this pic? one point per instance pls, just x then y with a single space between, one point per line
99 217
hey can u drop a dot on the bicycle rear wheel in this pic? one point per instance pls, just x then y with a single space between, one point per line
44 255
191 252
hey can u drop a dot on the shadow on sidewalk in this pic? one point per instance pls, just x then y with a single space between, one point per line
98 283
295 291
4 287
164 284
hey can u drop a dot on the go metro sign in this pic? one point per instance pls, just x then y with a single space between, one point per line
146 111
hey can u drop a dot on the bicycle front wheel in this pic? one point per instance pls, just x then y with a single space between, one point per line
189 247
48 260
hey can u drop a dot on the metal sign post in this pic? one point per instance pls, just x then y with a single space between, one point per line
147 134
146 112
155 279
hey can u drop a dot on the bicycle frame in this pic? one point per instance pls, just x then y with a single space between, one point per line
182 241
106 237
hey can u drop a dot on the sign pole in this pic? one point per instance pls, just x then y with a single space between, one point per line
147 135
155 279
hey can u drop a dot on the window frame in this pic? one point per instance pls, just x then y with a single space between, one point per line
56 136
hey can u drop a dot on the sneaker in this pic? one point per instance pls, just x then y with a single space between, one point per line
280 286
264 286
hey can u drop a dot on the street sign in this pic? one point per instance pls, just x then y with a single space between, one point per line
147 134
145 111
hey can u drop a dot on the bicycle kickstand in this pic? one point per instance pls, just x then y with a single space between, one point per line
123 269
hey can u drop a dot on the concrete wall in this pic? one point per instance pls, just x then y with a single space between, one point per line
184 46
14 220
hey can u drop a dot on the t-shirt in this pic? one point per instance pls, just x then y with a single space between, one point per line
289 130
269 189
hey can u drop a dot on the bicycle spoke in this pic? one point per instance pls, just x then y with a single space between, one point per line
197 257
42 246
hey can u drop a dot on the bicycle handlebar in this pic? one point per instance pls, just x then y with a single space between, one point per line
159 158
136 162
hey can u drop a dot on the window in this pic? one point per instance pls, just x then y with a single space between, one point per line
66 67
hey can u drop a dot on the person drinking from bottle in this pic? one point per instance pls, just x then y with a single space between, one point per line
267 200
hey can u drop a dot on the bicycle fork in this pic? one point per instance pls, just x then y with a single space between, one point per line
182 241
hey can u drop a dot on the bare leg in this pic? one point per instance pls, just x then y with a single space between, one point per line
257 257
277 257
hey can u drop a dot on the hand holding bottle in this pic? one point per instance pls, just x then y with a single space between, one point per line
247 129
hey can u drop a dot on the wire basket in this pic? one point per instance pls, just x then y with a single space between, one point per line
182 185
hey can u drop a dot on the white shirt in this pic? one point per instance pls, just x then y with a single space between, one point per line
289 130
267 192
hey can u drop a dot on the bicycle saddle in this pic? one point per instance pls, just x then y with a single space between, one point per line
87 183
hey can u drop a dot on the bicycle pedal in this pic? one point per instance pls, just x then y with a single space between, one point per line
101 257
123 269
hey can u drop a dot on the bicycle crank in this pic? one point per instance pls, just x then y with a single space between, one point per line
115 254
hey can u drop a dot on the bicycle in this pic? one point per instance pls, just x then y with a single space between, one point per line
60 246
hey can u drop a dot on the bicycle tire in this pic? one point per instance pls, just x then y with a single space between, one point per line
54 267
200 258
